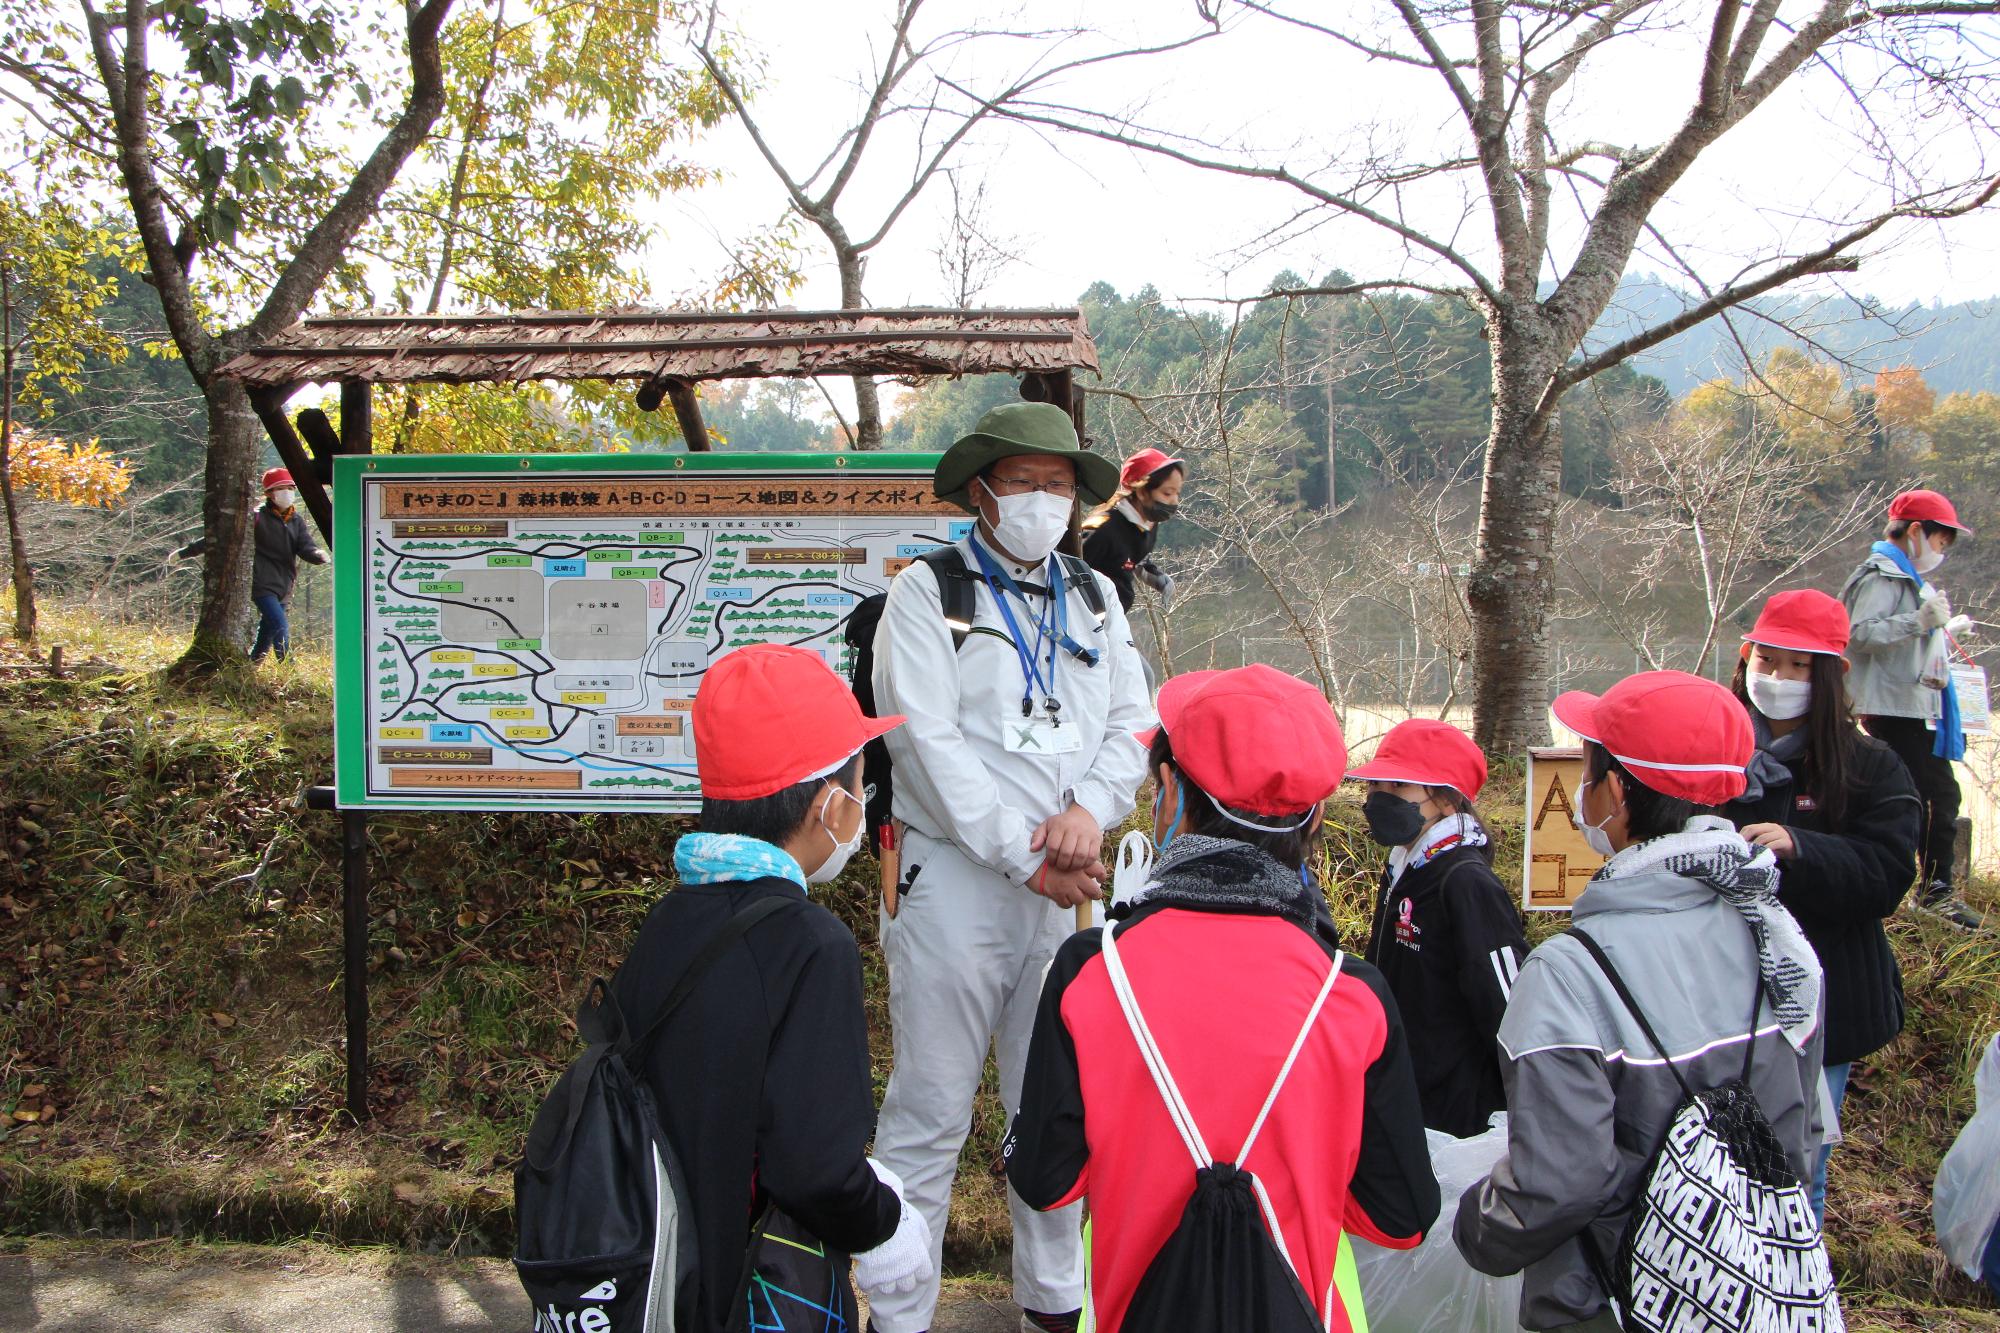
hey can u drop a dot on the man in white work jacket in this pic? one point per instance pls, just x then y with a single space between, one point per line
1018 754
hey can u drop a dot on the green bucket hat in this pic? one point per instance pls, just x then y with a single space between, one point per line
1022 428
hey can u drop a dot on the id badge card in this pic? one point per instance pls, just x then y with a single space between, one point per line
1039 735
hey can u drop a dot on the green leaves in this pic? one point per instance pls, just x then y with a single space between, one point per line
47 254
254 76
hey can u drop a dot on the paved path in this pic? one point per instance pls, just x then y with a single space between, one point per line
241 1289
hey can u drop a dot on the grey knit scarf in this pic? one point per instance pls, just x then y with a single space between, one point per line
1220 873
1771 765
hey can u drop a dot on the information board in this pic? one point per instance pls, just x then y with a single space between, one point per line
517 633
1556 863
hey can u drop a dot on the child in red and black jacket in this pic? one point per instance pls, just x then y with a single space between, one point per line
1224 959
1447 934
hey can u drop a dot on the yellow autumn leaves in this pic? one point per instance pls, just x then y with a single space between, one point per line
80 473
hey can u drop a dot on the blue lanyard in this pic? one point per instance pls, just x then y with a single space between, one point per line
1050 627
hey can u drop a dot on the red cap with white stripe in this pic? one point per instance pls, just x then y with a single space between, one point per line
1681 735
1428 753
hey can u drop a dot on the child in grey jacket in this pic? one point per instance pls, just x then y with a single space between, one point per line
1688 912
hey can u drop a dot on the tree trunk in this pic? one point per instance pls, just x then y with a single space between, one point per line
24 577
1513 581
229 499
867 403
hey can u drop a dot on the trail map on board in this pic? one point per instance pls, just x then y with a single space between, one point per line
532 636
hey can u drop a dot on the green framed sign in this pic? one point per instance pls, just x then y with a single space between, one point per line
527 632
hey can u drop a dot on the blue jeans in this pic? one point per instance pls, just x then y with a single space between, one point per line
1836 1086
274 632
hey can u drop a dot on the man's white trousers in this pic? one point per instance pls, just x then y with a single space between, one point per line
966 954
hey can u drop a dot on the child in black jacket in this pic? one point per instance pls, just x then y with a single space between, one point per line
1118 539
761 1078
1446 935
1841 813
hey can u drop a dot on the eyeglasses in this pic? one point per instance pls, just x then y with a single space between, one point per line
1062 490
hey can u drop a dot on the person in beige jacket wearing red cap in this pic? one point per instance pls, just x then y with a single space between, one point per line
1687 911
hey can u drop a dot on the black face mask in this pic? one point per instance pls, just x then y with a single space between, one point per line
1392 821
1160 512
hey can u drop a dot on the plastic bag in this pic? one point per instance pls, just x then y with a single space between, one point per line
1431 1289
1966 1199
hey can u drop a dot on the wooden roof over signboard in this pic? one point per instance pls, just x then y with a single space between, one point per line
651 344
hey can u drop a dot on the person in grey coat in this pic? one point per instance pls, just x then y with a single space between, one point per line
283 539
1688 913
1902 623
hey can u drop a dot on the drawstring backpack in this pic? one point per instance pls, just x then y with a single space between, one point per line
1226 1267
1722 1234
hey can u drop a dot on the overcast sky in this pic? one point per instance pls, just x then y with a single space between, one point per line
1078 211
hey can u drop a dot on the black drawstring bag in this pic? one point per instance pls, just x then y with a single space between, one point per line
1225 1268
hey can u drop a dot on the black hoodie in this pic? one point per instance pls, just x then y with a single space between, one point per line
1448 938
1840 884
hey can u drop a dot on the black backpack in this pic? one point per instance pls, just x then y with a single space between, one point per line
606 1236
1225 1268
1722 1234
958 599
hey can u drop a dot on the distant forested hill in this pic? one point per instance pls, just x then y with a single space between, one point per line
1956 346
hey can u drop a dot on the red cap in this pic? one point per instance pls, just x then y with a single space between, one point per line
277 477
1805 621
1143 465
769 716
1255 739
1679 734
1927 505
1428 753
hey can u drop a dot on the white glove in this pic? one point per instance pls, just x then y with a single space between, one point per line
901 1263
1166 591
1934 612
1960 627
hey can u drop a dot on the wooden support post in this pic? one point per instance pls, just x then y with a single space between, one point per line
322 440
357 436
354 954
1063 393
270 408
357 417
353 941
1058 387
687 407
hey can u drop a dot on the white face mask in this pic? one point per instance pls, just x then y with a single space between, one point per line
1779 700
283 499
1594 835
843 852
1926 559
1030 525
